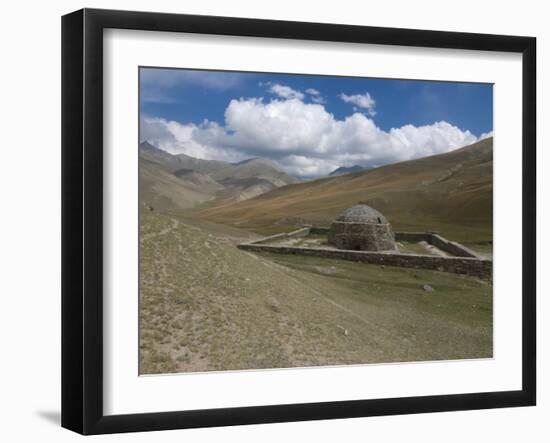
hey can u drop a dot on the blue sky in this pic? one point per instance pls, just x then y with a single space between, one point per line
309 124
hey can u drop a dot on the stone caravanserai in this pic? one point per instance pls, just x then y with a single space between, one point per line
361 228
361 233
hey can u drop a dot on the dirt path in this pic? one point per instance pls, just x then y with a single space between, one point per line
286 272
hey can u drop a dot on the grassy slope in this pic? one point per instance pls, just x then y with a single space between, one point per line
450 193
205 305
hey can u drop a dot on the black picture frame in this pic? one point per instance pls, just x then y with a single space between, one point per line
82 219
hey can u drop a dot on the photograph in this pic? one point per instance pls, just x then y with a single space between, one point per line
266 222
295 220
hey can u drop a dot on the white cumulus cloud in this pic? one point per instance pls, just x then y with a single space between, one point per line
303 138
315 96
486 135
364 101
178 138
285 91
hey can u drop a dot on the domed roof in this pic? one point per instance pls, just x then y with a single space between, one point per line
361 214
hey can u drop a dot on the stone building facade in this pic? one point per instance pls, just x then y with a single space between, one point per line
362 228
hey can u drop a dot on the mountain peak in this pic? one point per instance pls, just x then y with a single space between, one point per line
346 170
147 145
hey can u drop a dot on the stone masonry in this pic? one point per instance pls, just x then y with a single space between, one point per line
361 228
464 262
362 236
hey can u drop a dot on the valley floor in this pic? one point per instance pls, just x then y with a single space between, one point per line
207 306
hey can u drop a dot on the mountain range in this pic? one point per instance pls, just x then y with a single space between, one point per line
179 181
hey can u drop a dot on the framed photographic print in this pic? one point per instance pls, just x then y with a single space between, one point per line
269 221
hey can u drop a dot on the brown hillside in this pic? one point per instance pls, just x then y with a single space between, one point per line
450 193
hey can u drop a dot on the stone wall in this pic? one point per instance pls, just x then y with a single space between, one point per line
413 236
453 248
460 263
362 236
302 232
475 267
319 231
